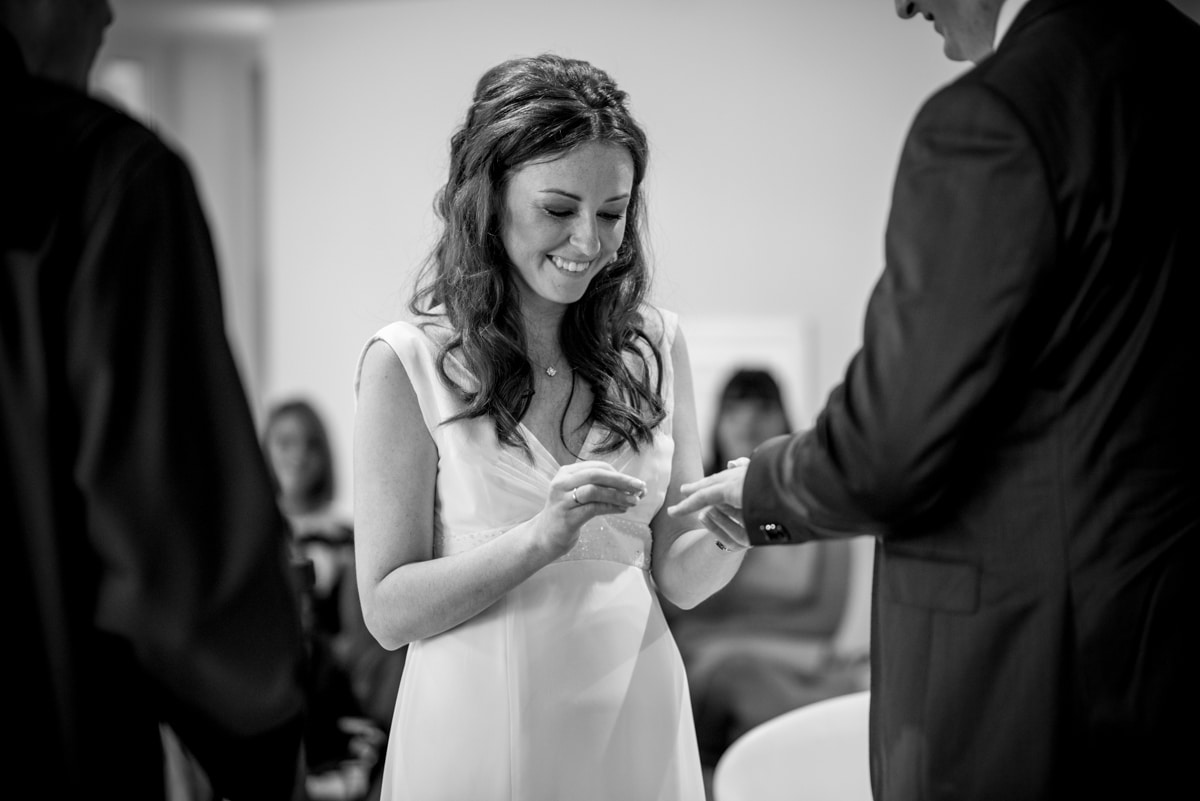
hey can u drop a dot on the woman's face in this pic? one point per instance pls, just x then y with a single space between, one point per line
295 456
564 220
745 424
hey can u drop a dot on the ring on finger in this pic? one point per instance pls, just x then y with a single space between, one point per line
575 495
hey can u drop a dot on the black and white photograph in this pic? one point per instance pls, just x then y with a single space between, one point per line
648 400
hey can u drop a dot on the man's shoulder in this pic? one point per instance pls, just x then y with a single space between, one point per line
1058 49
59 122
65 153
1033 67
1064 61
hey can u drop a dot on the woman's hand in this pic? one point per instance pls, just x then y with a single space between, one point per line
579 492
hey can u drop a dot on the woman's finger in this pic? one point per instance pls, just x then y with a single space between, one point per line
587 494
600 474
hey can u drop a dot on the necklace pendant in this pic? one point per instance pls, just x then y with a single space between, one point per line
550 371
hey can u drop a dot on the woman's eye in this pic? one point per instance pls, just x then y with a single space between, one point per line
609 217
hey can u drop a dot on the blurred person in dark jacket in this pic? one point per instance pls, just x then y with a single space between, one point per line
150 581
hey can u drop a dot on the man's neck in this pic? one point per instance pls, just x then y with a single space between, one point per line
1008 12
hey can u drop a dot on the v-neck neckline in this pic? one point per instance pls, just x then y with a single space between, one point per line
584 449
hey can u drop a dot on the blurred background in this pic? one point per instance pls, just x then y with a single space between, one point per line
318 131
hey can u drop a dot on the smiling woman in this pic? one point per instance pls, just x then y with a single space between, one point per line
514 455
548 165
564 220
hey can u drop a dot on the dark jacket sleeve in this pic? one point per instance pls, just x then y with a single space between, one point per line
951 325
195 572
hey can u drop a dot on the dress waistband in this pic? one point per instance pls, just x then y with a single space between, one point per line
608 538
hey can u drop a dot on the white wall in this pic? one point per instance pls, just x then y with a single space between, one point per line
198 87
775 127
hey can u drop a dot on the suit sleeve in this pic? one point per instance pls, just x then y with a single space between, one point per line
194 566
951 326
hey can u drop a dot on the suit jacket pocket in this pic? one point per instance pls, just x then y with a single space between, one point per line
934 584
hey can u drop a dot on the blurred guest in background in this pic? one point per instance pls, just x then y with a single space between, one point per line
296 443
763 644
750 411
149 584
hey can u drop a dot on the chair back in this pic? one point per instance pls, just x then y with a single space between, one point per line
817 752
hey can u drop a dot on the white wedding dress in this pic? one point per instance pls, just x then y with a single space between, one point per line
570 688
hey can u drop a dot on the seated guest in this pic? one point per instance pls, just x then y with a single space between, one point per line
763 644
296 444
297 449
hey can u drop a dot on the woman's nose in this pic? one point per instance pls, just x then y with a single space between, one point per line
585 237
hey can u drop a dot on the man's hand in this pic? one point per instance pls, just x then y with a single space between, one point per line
719 489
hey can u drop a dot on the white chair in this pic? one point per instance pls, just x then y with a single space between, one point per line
818 752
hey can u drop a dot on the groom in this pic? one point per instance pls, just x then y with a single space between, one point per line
1020 430
147 573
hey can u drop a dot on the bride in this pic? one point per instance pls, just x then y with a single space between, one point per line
515 452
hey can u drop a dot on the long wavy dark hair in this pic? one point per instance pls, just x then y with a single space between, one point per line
746 384
523 110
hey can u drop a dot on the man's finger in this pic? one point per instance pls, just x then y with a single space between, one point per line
715 518
703 483
734 513
693 503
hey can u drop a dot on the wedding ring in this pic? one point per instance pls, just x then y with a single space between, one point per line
574 491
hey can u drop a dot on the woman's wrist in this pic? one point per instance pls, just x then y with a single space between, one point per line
538 543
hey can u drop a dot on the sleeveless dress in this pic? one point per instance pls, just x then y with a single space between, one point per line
570 686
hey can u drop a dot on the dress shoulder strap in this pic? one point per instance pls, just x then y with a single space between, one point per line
418 351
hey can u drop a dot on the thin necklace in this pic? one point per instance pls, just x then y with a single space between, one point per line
549 369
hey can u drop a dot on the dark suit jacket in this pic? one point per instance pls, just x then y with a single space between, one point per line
146 569
1021 428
